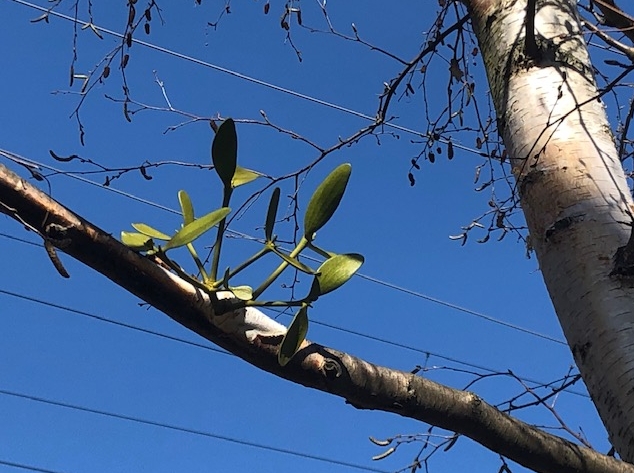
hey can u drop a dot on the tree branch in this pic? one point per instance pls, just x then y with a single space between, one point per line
254 337
616 17
610 41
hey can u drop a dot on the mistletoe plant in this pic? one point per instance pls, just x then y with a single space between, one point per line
336 270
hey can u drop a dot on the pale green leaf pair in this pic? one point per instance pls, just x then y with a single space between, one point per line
187 234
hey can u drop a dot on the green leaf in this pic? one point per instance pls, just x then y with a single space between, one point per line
334 272
295 263
137 241
294 337
186 207
193 230
224 151
243 176
325 200
244 293
149 231
271 214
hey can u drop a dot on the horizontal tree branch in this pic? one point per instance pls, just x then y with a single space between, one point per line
251 335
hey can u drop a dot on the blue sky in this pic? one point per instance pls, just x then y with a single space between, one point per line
52 354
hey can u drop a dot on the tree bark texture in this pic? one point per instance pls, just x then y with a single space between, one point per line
254 337
572 188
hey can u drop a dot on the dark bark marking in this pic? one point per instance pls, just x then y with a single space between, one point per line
580 352
624 260
562 224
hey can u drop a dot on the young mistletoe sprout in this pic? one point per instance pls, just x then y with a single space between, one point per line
335 271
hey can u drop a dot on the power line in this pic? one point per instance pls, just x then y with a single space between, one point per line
21 240
27 467
453 306
177 428
114 322
241 76
316 322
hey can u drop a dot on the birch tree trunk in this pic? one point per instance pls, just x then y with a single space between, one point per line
572 188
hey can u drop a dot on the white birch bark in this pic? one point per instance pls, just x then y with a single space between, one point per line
573 191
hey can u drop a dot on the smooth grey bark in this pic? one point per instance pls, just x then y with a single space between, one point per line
572 188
